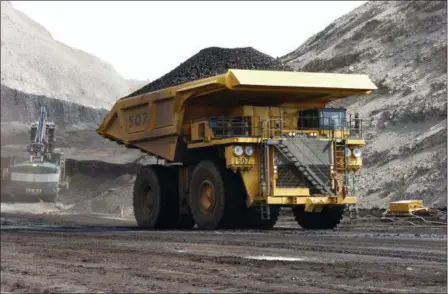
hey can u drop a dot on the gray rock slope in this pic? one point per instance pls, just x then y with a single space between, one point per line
33 62
402 46
75 131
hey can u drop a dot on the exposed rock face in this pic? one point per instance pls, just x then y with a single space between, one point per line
75 128
33 62
213 61
20 107
402 46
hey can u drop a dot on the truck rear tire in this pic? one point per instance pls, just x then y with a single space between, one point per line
327 219
212 201
155 199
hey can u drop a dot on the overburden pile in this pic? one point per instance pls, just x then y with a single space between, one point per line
213 61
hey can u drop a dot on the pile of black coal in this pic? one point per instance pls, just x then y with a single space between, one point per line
213 61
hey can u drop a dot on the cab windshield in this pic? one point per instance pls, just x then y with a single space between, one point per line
327 118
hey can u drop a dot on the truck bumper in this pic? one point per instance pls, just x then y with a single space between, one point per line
310 201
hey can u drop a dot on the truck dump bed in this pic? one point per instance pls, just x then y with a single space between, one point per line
153 122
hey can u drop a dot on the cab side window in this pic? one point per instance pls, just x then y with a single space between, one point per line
308 119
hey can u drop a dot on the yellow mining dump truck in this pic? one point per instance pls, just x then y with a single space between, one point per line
239 146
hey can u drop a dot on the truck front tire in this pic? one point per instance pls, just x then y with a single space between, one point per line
212 202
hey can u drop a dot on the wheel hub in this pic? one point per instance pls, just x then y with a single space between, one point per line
208 199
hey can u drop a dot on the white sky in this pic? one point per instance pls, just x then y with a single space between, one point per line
146 39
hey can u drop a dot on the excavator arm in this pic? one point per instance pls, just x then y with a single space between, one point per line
37 147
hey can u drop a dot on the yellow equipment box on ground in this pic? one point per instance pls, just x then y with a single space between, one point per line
407 206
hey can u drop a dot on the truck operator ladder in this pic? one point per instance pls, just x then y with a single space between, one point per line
265 167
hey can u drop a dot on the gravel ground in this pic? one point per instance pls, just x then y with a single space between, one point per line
92 253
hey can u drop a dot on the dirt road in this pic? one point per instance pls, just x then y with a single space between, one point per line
73 253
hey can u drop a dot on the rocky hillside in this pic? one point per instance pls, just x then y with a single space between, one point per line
75 133
402 46
33 62
76 89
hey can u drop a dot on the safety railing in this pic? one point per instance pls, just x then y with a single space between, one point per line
253 126
271 127
333 127
232 126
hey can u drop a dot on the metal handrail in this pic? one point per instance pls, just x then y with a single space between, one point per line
266 150
265 168
295 144
269 129
354 125
231 126
223 126
327 179
324 184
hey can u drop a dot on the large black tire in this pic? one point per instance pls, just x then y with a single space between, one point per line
213 201
155 198
253 218
327 219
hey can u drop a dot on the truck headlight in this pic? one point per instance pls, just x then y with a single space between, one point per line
357 152
238 150
348 152
290 134
249 150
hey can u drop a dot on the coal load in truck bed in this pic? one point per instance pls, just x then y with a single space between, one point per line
213 61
